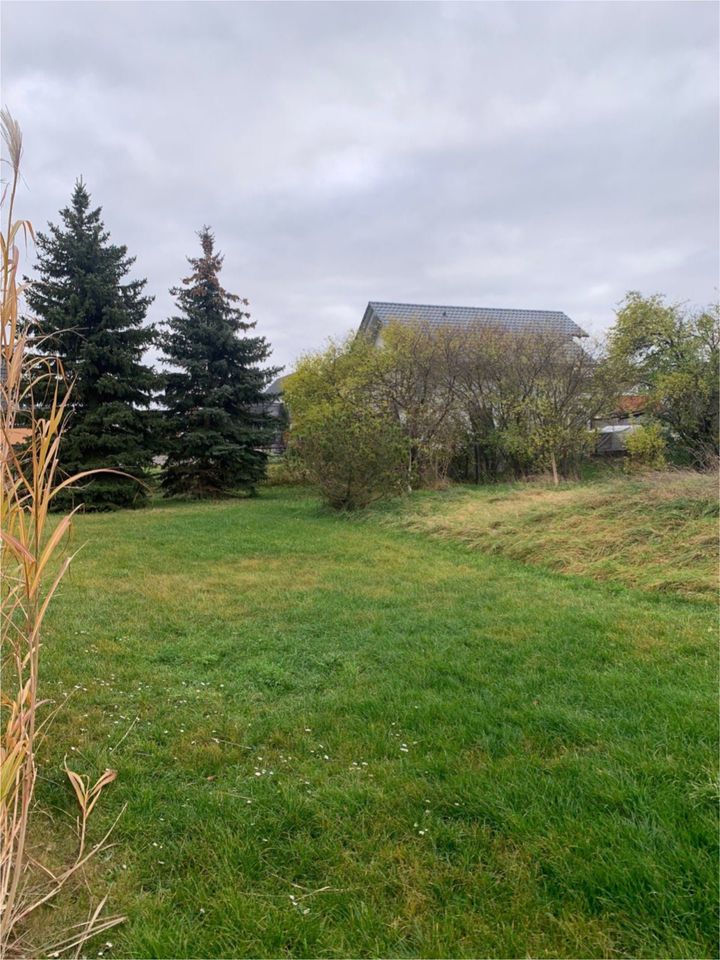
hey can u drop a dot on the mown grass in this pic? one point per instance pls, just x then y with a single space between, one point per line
656 532
336 738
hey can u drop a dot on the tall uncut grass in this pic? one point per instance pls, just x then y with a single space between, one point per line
655 531
32 565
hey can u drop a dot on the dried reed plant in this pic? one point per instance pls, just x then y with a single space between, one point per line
32 565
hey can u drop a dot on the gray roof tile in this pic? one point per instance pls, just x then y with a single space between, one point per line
276 387
517 321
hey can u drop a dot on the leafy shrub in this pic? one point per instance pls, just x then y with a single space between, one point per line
673 352
355 457
419 402
289 470
646 447
414 370
349 442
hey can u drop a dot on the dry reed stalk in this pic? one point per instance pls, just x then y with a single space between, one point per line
29 577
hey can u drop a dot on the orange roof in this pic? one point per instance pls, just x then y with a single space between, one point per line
19 435
632 404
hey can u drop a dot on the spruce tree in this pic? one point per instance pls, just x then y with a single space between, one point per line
216 413
93 319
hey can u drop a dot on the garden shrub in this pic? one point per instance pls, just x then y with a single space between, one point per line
288 470
355 457
351 446
646 447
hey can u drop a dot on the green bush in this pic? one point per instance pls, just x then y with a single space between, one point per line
351 446
404 410
646 447
289 470
355 457
672 352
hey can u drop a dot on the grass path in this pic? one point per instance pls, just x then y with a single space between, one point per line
359 741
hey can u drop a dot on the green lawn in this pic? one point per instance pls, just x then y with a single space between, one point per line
357 740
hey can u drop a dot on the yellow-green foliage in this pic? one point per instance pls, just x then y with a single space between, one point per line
672 353
416 369
289 470
351 446
519 403
657 531
646 447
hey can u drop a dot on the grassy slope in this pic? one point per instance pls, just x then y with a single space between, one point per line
436 752
657 532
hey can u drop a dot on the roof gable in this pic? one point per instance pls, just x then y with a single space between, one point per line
276 387
378 313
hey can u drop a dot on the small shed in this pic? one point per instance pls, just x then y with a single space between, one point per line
611 438
613 430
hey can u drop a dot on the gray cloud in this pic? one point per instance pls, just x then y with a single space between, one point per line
540 155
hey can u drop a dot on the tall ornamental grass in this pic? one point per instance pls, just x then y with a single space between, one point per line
32 565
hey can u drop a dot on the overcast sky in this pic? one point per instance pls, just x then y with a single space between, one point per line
530 155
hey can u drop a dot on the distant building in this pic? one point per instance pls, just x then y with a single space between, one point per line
277 409
613 430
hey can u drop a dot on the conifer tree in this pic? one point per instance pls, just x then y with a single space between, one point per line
93 319
216 413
